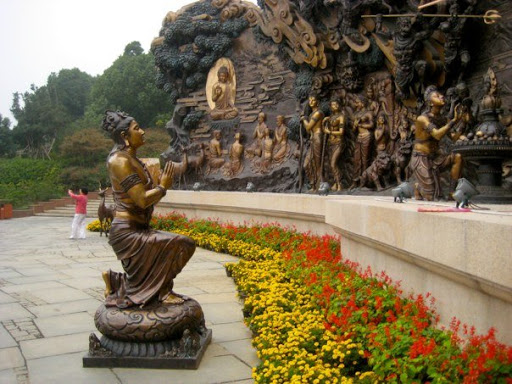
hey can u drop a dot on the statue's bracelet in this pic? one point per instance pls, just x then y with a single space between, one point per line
162 189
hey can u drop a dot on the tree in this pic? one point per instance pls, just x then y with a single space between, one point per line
157 141
133 49
44 114
129 85
86 147
70 88
7 147
39 122
84 154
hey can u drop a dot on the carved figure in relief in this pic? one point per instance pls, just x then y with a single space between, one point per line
281 147
362 124
215 159
267 145
381 165
334 128
313 161
456 56
402 152
407 45
428 160
258 134
381 133
376 172
195 162
371 99
223 96
386 99
386 95
236 153
465 103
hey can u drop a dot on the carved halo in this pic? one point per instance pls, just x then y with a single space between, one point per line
212 79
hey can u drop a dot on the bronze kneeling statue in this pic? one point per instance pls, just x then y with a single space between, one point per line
142 317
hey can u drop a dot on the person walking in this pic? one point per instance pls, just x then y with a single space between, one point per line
78 224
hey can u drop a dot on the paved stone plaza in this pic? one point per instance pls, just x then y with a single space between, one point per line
51 286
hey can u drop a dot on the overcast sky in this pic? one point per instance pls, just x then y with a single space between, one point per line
38 37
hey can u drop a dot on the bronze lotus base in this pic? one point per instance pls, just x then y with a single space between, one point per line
168 336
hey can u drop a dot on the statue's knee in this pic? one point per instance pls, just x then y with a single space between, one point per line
189 245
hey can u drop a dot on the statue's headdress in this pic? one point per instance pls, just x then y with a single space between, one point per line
115 123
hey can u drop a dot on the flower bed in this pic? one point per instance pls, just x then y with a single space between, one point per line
94 226
317 317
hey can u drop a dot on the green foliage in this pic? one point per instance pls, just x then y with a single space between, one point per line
90 177
39 122
129 85
133 49
162 119
65 114
157 141
85 147
25 181
70 88
47 111
7 147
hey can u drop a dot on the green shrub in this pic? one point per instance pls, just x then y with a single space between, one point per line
25 181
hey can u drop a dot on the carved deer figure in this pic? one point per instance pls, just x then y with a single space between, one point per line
105 214
195 163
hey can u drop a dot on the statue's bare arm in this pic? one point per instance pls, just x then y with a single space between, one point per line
125 177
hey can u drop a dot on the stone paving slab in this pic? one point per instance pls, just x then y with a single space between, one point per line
5 298
41 311
32 287
239 348
11 358
230 332
80 271
7 376
215 298
222 313
8 273
36 270
65 324
84 282
21 280
53 346
12 311
50 288
6 339
213 369
60 295
67 368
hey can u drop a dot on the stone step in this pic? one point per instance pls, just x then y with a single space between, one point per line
69 210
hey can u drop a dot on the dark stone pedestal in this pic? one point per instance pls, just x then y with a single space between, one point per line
168 336
162 361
